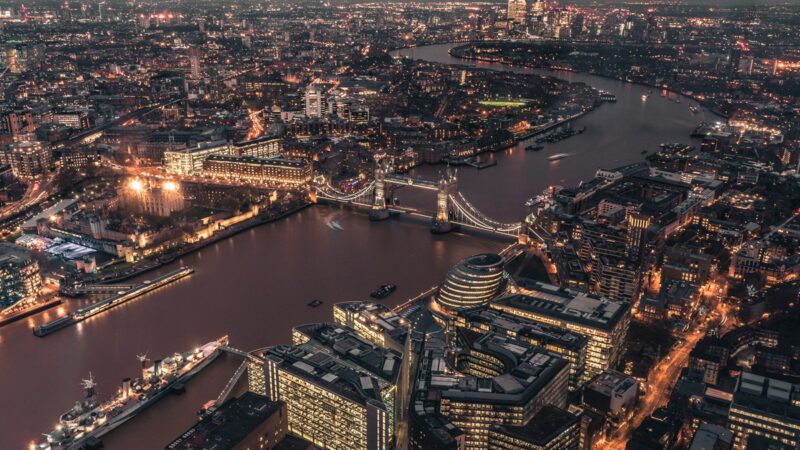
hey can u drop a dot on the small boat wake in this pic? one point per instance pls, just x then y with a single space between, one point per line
332 223
558 156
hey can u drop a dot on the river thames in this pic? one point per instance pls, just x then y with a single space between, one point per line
255 286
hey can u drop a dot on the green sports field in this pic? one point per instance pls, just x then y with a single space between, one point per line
502 103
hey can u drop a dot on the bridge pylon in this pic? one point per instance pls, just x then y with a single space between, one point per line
379 211
448 184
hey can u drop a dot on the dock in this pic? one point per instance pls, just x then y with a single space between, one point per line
86 312
19 315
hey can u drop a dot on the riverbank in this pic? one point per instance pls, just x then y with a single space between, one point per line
34 309
455 53
164 260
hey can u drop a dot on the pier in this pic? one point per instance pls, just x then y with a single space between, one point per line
86 312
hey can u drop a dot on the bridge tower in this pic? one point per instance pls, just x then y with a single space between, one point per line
379 211
448 185
523 238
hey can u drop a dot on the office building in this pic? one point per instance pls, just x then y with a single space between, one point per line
501 383
604 322
314 107
248 422
567 344
78 120
29 160
611 393
552 428
766 407
711 437
262 171
340 390
517 9
373 322
262 147
189 161
472 282
19 275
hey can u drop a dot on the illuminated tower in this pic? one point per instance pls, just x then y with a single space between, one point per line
379 211
516 11
447 186
637 225
313 101
194 62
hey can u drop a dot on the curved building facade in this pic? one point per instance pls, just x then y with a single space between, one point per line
472 282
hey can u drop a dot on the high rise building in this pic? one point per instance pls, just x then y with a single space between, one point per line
29 160
517 10
19 275
340 390
616 279
501 383
766 407
194 63
604 322
552 428
567 344
314 107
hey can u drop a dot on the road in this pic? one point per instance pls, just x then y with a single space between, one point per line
664 376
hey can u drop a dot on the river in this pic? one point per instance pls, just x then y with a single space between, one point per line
255 286
616 134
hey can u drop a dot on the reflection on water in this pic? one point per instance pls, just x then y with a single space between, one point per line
616 134
255 286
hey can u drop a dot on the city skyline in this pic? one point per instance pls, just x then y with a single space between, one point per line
439 225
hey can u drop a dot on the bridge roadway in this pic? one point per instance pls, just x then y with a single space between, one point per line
421 183
427 216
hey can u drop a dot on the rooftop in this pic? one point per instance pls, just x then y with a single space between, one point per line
500 320
548 423
228 425
567 305
527 370
259 161
769 395
610 382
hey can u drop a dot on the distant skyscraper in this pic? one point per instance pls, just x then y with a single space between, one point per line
537 8
517 10
734 59
313 101
194 62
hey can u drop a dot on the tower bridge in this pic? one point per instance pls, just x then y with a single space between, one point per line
452 208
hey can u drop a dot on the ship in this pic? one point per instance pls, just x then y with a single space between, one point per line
89 420
694 109
606 96
315 303
534 148
558 156
383 291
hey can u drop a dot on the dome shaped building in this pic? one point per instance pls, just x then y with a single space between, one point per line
472 282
